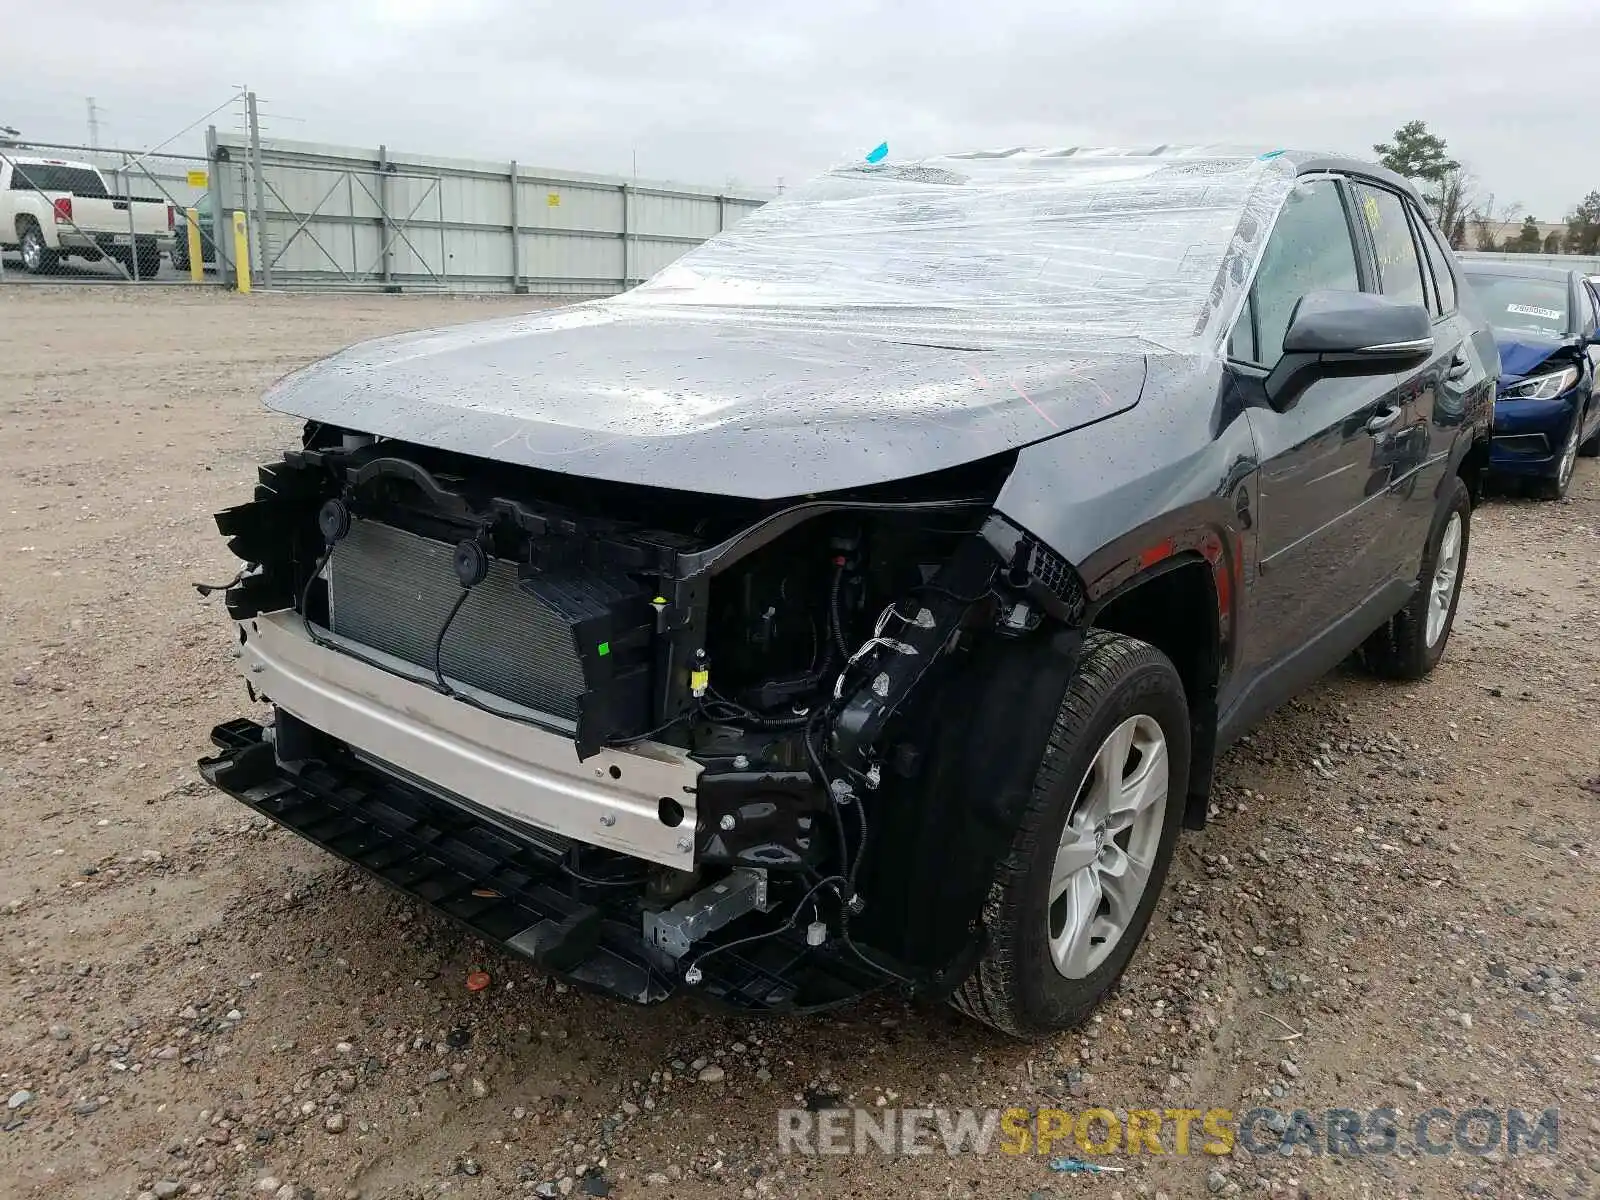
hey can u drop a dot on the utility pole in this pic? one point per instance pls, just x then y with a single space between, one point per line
94 125
260 221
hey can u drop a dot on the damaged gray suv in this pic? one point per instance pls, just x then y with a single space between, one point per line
863 602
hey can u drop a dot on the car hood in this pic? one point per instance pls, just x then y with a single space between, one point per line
699 404
1521 354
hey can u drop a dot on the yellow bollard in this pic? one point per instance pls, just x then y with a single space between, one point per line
241 250
197 264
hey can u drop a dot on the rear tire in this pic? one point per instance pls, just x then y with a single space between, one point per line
149 264
1122 689
37 258
1409 644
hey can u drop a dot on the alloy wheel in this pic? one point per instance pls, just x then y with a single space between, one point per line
1108 847
1446 570
1569 452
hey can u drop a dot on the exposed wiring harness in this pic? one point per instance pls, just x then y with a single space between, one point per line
835 621
305 619
693 967
438 642
205 589
574 873
837 801
685 715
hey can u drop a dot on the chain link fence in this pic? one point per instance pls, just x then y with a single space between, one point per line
82 214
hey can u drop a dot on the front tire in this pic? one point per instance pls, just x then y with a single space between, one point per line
1072 899
1555 487
1411 643
1591 448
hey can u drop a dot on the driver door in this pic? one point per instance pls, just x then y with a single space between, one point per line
1326 514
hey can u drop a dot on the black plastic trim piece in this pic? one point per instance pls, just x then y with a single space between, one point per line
509 890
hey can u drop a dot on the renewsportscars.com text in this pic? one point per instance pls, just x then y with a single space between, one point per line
1101 1132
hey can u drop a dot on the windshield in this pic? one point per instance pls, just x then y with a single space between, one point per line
1523 305
1066 249
49 177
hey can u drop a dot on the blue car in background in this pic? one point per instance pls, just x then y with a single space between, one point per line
1546 322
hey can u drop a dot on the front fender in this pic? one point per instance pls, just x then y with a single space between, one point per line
1172 477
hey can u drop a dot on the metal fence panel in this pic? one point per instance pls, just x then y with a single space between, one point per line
650 256
590 266
334 216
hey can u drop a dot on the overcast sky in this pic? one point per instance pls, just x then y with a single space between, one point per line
706 91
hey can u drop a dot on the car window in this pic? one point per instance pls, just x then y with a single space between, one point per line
1520 304
52 177
1399 272
1444 282
1242 342
1310 250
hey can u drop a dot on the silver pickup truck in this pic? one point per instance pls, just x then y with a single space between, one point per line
51 209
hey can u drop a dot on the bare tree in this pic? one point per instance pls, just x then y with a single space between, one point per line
1457 192
1487 221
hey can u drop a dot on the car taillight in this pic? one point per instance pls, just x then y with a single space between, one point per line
63 207
172 218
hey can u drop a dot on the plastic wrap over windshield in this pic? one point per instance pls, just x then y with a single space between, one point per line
1060 249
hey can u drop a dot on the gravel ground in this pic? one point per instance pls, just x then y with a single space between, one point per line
1394 903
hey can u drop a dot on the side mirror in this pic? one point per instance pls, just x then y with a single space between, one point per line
1347 333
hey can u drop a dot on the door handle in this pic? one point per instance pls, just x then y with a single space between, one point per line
1460 367
1382 419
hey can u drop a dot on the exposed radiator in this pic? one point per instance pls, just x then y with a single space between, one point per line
392 590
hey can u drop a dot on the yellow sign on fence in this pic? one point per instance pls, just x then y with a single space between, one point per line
199 179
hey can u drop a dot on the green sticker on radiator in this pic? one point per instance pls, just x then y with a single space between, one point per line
603 649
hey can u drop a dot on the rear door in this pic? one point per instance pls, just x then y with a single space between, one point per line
1326 510
1412 269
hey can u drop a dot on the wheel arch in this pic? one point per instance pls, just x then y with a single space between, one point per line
1471 462
1180 604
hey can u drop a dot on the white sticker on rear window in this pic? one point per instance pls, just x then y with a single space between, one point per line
1528 310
